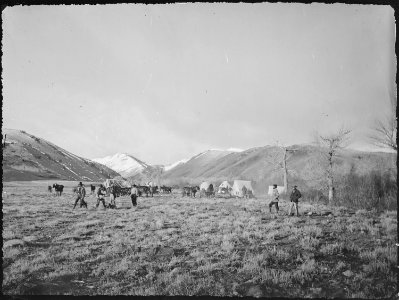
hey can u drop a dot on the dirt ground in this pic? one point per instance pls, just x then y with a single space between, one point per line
169 245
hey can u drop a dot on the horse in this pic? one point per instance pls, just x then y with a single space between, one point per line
58 189
166 189
143 189
190 191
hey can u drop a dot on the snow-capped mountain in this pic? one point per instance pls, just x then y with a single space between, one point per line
125 164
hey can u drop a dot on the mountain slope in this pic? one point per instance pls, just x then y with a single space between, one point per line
198 165
174 165
125 164
27 157
306 166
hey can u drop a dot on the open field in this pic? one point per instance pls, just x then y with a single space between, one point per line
170 245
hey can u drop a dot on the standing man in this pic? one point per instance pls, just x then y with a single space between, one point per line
112 196
133 194
275 196
101 192
294 197
244 191
81 193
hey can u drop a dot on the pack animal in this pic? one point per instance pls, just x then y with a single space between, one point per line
59 188
190 191
143 189
166 189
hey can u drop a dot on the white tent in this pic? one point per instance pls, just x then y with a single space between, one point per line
204 185
280 189
238 185
118 181
224 184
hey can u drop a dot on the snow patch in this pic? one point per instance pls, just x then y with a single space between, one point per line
235 150
171 166
70 169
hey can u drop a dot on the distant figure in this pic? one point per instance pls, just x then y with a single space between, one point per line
244 191
275 196
134 192
92 188
81 193
58 189
101 192
50 189
210 192
294 197
112 196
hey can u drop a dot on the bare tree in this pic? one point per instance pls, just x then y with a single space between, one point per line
329 146
279 160
385 130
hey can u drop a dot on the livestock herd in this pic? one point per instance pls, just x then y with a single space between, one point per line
120 191
148 190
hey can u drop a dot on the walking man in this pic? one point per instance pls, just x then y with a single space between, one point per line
294 197
101 192
133 195
81 193
275 196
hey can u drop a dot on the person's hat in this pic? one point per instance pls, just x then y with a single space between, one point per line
80 183
295 186
275 185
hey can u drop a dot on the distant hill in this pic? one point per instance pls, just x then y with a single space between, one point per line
138 171
27 157
305 165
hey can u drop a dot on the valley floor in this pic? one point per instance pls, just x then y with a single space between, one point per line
169 245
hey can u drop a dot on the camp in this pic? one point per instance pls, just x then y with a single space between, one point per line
280 189
238 185
224 187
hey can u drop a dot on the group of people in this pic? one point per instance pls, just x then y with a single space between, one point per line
294 199
101 193
134 193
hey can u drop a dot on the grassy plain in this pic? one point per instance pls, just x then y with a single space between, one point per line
169 245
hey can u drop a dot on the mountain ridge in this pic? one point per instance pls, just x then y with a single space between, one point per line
27 157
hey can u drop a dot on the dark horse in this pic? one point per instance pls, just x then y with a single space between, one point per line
58 189
166 189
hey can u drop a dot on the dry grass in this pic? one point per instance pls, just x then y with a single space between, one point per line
170 245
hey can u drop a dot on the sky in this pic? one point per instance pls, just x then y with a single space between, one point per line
166 82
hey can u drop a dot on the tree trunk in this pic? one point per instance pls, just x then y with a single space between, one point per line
285 171
330 181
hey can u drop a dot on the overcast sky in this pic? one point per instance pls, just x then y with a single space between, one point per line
165 82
